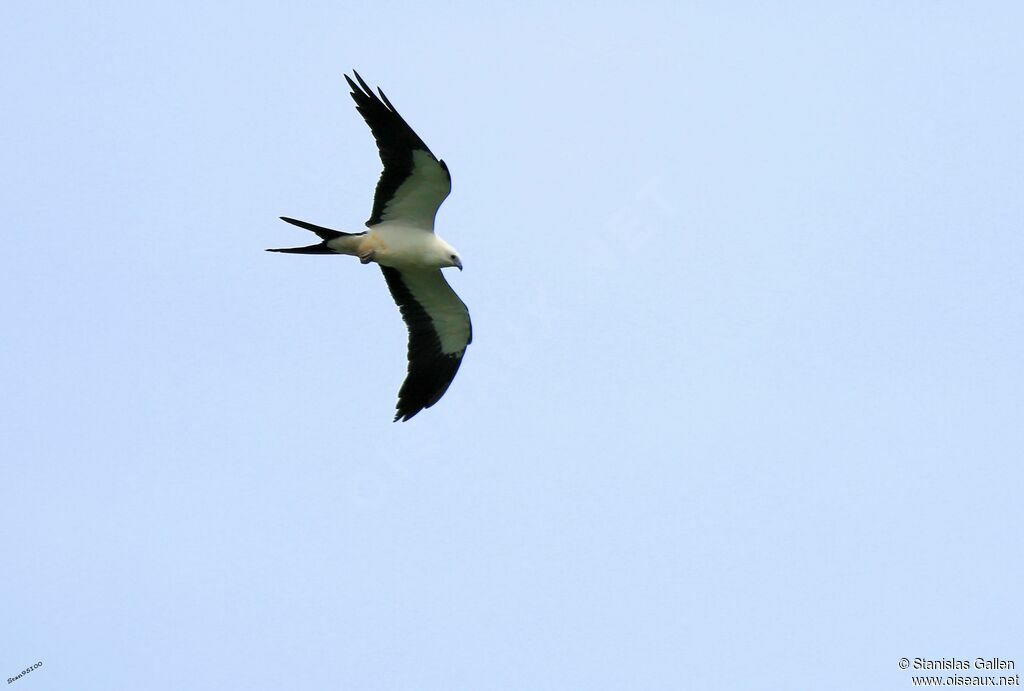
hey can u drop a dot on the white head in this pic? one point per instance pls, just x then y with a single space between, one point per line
446 255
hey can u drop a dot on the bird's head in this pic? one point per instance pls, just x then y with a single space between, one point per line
448 255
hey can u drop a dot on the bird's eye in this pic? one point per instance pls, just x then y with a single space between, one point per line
453 257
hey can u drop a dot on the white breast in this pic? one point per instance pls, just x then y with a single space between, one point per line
401 246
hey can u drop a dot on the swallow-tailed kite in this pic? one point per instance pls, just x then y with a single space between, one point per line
400 238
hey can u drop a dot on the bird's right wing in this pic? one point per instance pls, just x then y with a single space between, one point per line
413 183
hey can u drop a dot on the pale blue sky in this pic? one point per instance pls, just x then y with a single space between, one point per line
743 408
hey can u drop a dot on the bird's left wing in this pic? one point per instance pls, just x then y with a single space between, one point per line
439 331
413 183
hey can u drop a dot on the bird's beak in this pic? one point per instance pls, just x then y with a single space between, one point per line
458 263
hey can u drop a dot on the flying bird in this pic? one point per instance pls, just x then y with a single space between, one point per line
400 239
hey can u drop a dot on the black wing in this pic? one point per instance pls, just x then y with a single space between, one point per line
414 182
439 331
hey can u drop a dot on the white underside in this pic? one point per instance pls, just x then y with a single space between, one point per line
404 247
398 245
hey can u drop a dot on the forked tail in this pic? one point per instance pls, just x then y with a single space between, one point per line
325 234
